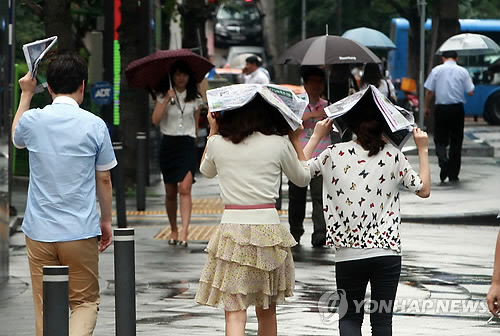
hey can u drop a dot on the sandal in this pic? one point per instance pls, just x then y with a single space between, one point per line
172 242
183 243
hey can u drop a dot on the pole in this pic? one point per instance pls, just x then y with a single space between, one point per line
119 186
304 11
140 190
55 300
421 97
124 253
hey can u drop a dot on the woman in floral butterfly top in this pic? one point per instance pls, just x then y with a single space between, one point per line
361 180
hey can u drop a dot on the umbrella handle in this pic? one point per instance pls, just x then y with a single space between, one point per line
172 100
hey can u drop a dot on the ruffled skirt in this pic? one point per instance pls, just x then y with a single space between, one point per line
247 265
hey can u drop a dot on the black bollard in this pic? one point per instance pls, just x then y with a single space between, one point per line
140 190
280 193
55 301
124 282
121 215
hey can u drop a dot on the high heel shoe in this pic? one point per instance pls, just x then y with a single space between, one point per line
183 243
172 242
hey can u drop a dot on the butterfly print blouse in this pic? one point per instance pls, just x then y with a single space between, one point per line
361 194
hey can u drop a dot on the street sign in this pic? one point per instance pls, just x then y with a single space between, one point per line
102 93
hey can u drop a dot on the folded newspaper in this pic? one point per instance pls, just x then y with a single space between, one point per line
34 53
231 97
398 122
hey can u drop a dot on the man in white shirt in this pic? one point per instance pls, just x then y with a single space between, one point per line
448 82
252 74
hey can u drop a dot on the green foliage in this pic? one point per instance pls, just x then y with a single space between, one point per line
374 14
30 26
479 9
169 10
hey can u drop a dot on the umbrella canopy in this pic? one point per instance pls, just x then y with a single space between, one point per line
239 61
370 38
148 72
328 49
469 45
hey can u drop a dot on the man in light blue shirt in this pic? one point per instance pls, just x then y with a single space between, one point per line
448 82
70 155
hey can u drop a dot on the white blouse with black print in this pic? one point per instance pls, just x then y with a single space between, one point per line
361 195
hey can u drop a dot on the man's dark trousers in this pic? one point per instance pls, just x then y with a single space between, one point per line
297 211
449 131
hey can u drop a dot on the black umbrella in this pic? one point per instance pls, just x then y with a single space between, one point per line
328 49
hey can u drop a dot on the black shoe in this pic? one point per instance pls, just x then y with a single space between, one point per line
443 175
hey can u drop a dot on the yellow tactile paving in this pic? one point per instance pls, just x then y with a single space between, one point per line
196 232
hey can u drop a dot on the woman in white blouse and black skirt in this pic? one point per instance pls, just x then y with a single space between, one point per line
177 112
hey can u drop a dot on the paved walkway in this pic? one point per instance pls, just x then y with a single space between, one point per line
446 267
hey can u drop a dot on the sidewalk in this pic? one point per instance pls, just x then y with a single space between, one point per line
451 264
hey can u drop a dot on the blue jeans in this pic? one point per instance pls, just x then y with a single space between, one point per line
352 277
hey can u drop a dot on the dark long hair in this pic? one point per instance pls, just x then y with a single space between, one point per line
256 116
366 121
191 87
371 75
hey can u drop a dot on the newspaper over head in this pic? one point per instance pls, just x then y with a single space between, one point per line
283 99
398 122
34 53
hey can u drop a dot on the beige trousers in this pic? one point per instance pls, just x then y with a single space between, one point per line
82 257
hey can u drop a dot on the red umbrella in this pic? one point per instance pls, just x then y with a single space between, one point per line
147 72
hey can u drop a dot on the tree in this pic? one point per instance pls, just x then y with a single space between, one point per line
70 20
444 25
135 39
194 14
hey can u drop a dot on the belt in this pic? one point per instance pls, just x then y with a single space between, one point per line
249 207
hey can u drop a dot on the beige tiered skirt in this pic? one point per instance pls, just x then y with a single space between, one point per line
248 264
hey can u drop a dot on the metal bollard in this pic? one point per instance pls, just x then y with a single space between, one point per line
121 215
140 186
55 301
124 282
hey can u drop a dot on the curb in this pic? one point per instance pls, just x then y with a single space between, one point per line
479 218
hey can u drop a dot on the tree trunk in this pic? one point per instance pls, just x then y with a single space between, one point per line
444 25
413 41
135 37
338 28
58 22
273 37
194 14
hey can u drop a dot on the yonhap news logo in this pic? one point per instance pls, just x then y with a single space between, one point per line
332 306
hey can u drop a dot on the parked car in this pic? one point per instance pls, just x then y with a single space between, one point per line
238 22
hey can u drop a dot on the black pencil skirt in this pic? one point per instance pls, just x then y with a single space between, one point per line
178 156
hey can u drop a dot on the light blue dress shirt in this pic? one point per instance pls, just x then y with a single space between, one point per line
66 146
449 81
